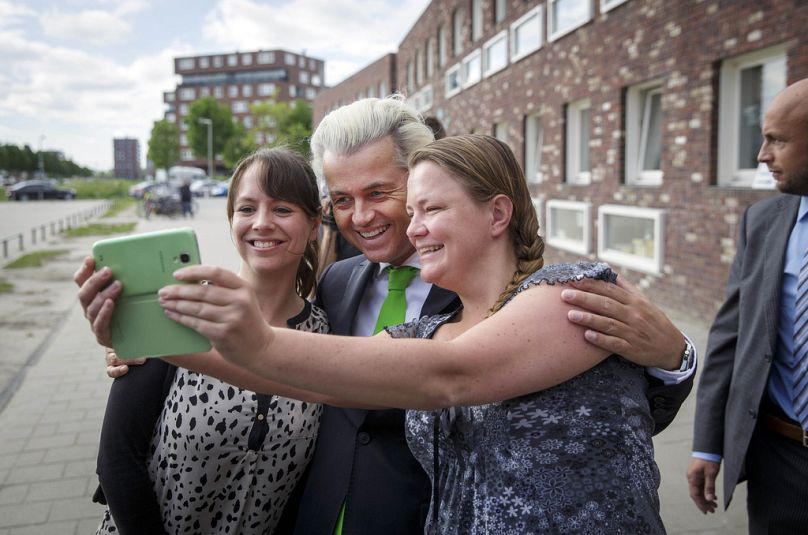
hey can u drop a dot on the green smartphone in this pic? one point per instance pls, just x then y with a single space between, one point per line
144 263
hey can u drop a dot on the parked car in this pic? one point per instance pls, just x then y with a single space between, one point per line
38 189
208 187
140 188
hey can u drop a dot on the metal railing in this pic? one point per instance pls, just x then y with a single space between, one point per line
54 227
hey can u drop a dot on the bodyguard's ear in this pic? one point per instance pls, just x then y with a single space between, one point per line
501 212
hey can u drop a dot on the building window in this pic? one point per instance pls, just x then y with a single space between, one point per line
183 139
631 237
566 15
217 61
382 89
218 91
266 57
452 81
526 34
246 90
476 19
246 59
311 93
500 10
289 58
495 53
312 65
441 46
315 80
204 91
534 143
187 93
430 57
606 5
303 77
457 32
501 132
410 77
578 171
301 62
183 109
266 90
187 154
371 91
644 134
292 91
171 118
472 68
240 106
419 68
422 100
247 121
747 85
186 64
568 225
169 97
204 63
232 91
232 60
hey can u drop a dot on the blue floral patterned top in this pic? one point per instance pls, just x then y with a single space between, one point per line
575 458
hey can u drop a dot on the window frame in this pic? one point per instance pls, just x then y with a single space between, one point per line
653 265
457 32
537 138
476 20
636 127
574 175
454 69
523 21
555 33
729 175
582 247
488 45
608 5
465 80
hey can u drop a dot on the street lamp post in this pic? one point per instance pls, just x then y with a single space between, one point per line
209 123
41 158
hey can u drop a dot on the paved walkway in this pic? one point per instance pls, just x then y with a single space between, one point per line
52 416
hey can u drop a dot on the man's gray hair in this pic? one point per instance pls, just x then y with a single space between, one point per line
349 128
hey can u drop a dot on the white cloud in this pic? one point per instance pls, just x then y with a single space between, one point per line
78 100
93 26
12 14
348 34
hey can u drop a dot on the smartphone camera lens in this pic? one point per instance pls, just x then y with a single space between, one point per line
185 258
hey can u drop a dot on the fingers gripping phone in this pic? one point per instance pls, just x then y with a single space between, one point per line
144 263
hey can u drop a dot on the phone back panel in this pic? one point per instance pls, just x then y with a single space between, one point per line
144 263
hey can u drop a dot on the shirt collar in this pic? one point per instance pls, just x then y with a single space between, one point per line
413 261
803 212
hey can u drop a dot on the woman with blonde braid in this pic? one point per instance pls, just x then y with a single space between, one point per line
534 431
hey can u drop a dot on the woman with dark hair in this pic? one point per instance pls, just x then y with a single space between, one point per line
223 459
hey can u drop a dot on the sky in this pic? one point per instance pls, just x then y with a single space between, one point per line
74 74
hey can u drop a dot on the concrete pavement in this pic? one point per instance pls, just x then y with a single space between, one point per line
52 416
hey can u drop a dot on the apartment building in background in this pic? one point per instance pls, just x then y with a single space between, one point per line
237 80
126 157
637 122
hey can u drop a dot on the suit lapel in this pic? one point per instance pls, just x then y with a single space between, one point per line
438 301
774 259
354 290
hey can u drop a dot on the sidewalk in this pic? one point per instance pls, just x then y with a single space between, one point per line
49 428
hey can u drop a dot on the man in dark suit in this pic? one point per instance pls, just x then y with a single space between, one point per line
747 412
363 478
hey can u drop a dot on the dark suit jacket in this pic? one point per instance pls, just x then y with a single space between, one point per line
743 338
360 453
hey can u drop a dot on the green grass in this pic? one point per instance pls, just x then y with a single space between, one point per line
35 259
118 205
100 229
100 188
6 287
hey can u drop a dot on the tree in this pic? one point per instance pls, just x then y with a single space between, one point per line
240 144
284 123
164 148
208 108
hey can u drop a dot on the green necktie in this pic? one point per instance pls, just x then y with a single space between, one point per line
394 308
393 312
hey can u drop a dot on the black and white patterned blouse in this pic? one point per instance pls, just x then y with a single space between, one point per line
225 460
575 458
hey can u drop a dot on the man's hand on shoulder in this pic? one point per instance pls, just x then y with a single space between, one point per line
621 320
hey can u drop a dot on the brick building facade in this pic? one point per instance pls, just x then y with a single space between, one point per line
239 79
637 121
377 79
126 157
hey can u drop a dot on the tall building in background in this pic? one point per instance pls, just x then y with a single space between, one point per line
239 79
127 157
